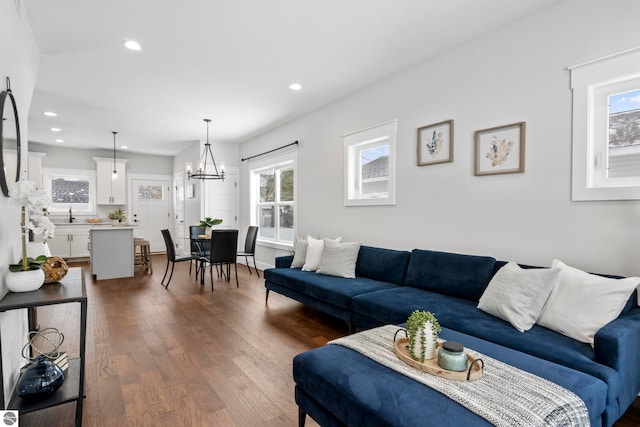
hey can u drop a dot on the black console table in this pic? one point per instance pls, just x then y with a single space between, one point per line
70 289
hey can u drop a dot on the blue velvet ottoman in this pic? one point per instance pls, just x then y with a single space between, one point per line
337 386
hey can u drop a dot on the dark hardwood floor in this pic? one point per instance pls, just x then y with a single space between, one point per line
187 356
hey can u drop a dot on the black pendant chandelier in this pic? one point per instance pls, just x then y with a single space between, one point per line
115 171
206 159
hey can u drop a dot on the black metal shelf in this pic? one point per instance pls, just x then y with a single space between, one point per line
68 392
71 289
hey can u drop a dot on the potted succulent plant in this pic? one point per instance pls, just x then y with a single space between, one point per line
208 223
117 216
422 329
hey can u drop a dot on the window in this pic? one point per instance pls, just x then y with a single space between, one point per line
75 189
273 189
150 192
621 135
370 166
606 128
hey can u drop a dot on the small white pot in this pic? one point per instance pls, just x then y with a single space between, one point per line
430 350
24 281
430 341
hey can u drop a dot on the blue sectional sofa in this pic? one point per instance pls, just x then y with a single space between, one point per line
390 284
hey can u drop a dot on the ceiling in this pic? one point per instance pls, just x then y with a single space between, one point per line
230 61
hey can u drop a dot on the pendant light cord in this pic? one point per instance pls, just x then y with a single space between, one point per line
115 171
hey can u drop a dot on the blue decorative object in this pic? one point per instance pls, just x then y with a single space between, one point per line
42 378
451 356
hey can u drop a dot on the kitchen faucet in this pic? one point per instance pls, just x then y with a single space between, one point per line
71 217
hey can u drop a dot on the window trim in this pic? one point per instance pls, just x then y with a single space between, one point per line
50 174
367 138
282 161
588 80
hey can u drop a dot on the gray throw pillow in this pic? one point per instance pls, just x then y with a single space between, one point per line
339 259
518 295
300 253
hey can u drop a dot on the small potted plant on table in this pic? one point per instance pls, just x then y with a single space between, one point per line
208 223
28 275
422 330
117 216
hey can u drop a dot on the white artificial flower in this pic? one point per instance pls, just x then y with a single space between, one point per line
27 193
39 201
20 191
40 224
36 201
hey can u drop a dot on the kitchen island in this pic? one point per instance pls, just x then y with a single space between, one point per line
111 251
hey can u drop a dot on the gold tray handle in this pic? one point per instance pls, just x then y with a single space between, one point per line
472 365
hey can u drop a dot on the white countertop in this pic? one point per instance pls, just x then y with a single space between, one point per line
109 227
65 224
97 225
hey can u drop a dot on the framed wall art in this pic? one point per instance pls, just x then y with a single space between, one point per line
500 150
435 143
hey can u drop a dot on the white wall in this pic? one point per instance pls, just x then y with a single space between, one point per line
224 154
19 61
58 156
517 73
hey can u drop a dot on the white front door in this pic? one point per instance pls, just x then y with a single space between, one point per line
151 210
221 199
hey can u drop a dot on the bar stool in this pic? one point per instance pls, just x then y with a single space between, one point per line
142 257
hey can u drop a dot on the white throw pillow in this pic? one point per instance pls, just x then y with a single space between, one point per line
314 252
582 303
300 254
339 259
517 295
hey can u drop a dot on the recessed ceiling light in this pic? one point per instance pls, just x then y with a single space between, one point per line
56 129
59 140
133 45
124 147
50 114
295 86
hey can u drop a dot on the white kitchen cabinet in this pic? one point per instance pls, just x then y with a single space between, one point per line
112 252
70 241
111 191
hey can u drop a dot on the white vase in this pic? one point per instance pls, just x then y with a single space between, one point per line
430 341
24 281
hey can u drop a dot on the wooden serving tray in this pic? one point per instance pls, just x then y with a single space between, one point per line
430 366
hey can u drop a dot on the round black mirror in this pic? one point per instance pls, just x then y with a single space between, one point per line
9 140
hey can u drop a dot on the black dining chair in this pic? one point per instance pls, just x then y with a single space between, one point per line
199 248
250 247
172 258
224 252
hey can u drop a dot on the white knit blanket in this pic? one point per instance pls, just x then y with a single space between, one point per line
504 396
